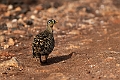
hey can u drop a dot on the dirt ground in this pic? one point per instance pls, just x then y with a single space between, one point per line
87 39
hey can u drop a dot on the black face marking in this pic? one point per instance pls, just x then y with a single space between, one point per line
53 21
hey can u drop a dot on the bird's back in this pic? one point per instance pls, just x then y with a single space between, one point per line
43 43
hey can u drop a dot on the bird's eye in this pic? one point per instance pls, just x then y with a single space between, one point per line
49 22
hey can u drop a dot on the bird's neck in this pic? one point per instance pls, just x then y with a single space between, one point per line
49 28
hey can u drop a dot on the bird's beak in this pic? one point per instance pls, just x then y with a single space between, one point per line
56 21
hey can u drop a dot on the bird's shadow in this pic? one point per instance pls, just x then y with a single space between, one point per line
57 59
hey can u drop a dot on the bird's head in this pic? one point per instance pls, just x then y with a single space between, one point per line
51 22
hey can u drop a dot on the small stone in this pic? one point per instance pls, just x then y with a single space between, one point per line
10 7
90 21
14 20
89 10
117 65
3 26
97 12
12 62
33 78
4 73
105 31
18 9
11 42
21 36
108 59
9 24
17 45
32 17
2 38
29 22
92 66
52 10
35 11
6 46
38 8
83 26
63 62
7 14
102 22
24 18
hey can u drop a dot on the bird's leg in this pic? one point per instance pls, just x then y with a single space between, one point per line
45 60
46 56
33 53
40 57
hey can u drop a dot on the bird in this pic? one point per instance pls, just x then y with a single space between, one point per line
43 43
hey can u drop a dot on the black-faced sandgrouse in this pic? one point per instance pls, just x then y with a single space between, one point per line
44 43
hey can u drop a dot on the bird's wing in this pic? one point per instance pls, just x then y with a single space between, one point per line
39 41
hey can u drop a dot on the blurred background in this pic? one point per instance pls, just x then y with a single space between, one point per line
87 38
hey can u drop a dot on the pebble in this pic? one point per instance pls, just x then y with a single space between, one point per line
92 66
24 18
7 14
20 20
10 7
11 42
102 22
38 8
14 20
108 59
83 26
90 21
35 11
3 26
12 62
16 45
51 10
18 9
118 65
97 12
32 16
29 22
9 25
89 10
2 38
102 6
105 31
6 46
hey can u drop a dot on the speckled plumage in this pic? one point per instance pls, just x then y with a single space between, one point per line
44 43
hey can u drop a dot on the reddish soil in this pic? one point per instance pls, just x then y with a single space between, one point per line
87 38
